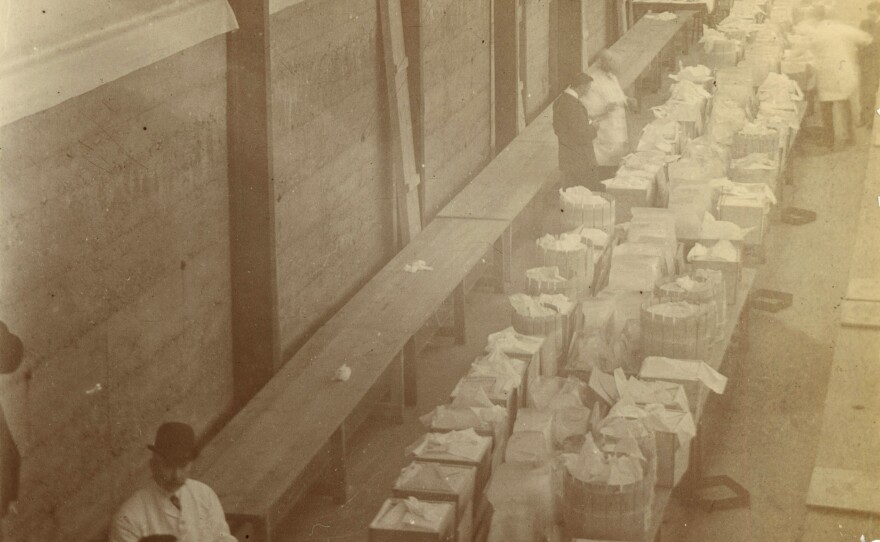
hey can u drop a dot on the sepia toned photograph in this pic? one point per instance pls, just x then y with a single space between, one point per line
439 270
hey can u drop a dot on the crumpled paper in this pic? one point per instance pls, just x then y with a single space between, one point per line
545 274
489 418
583 197
605 386
529 306
465 443
721 251
552 392
512 343
508 373
598 238
427 476
592 465
416 266
720 229
699 74
559 302
638 183
415 513
675 309
656 417
759 192
669 394
661 368
665 16
565 242
755 160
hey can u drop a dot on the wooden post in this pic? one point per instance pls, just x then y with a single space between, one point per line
255 344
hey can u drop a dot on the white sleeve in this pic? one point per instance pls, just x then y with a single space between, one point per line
217 519
123 530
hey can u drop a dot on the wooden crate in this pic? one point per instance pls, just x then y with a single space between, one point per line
458 489
483 465
746 213
391 529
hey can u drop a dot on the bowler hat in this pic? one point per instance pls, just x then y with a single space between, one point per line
175 442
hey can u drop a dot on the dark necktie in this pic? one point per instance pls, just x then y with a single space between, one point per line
175 500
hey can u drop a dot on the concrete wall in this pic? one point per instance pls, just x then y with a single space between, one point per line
331 159
114 270
455 41
599 19
538 75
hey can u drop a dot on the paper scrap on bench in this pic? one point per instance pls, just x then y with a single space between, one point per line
416 266
343 373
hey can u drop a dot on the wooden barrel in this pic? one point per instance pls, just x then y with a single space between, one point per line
685 336
537 284
600 511
599 216
575 265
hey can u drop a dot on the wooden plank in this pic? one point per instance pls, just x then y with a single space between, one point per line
406 177
253 461
402 302
844 490
255 337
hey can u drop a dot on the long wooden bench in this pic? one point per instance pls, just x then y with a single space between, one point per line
292 434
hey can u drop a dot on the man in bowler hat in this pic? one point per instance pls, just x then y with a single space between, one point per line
575 131
172 503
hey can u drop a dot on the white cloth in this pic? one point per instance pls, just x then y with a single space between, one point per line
835 48
150 511
606 104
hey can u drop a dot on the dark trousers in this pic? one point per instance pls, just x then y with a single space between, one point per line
828 121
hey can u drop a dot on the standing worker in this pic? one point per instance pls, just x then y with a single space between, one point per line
835 48
575 131
869 62
607 104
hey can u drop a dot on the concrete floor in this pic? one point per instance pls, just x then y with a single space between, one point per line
762 432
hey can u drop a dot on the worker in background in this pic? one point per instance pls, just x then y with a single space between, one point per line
869 62
607 104
575 131
835 47
172 504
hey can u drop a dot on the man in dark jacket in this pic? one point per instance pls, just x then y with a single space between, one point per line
869 60
576 133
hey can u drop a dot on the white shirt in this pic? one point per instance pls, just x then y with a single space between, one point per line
150 511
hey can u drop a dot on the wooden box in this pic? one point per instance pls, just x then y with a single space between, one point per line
746 213
685 337
627 197
529 349
458 488
688 374
732 272
389 524
489 384
483 464
672 459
